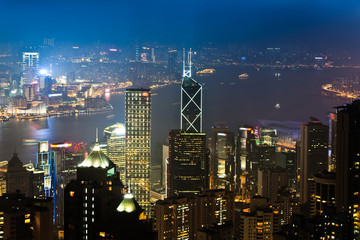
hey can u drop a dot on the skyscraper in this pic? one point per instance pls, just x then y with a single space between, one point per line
30 67
347 153
191 100
172 61
115 138
90 199
46 162
313 155
222 166
138 134
188 163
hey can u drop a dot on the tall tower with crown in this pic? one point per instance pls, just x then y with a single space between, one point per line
191 99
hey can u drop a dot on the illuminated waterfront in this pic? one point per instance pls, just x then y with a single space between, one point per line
235 101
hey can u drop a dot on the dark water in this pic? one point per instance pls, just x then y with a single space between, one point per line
226 99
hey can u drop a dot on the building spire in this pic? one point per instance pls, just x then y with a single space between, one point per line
97 135
187 64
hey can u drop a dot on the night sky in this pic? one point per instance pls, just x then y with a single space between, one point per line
316 23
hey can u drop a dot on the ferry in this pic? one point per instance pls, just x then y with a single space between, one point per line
208 71
243 76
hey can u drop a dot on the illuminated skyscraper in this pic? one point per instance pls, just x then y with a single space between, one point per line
138 134
188 163
30 67
313 155
222 167
46 162
115 138
191 100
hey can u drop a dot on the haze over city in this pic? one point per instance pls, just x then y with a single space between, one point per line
182 120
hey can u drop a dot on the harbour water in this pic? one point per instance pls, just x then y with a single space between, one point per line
226 99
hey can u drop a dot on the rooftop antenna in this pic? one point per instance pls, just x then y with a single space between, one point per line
97 135
96 146
187 65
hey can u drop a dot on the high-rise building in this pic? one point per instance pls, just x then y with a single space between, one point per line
322 192
138 136
30 67
187 172
172 61
17 178
181 218
260 222
191 100
347 145
222 166
268 136
270 181
46 162
314 142
25 218
115 138
29 92
92 198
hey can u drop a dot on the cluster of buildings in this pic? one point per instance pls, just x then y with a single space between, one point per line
239 185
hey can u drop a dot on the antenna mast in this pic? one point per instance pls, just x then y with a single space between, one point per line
187 65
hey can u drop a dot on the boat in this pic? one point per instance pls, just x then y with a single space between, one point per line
207 71
243 76
277 106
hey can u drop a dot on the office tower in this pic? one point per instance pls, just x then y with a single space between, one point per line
245 147
165 162
264 156
115 138
261 222
313 155
45 84
17 178
188 163
286 204
138 135
322 192
24 179
222 166
29 92
270 181
91 199
46 162
25 218
181 218
268 136
191 100
153 55
172 61
30 67
347 145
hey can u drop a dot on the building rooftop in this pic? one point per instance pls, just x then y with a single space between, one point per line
96 159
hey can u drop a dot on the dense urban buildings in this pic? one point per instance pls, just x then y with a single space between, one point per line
138 136
182 217
313 155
